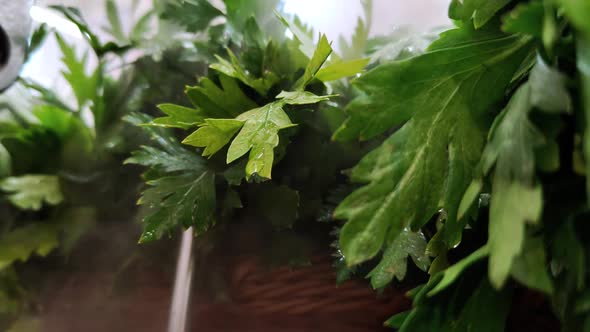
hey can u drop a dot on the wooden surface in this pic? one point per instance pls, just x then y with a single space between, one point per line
109 286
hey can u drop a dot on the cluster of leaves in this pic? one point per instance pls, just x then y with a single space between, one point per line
259 94
486 163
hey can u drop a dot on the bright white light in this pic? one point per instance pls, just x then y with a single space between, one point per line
53 20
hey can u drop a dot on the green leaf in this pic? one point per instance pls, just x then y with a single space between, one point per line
397 320
239 12
428 163
307 45
508 217
321 54
84 86
551 32
301 97
513 140
61 122
74 15
21 243
115 27
530 267
217 101
549 89
338 70
470 196
37 39
394 262
213 134
259 135
29 192
186 199
526 18
481 11
234 68
46 95
460 310
178 117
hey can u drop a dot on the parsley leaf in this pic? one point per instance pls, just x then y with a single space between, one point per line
21 243
442 98
217 101
260 132
407 243
481 11
511 149
181 188
83 85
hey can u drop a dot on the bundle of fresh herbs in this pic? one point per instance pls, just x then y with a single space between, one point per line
469 157
476 167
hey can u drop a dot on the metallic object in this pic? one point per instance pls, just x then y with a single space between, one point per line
179 308
15 27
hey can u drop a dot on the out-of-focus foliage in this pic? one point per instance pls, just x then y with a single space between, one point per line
61 151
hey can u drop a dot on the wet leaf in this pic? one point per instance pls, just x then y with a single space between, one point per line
512 150
259 136
426 165
526 18
394 261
